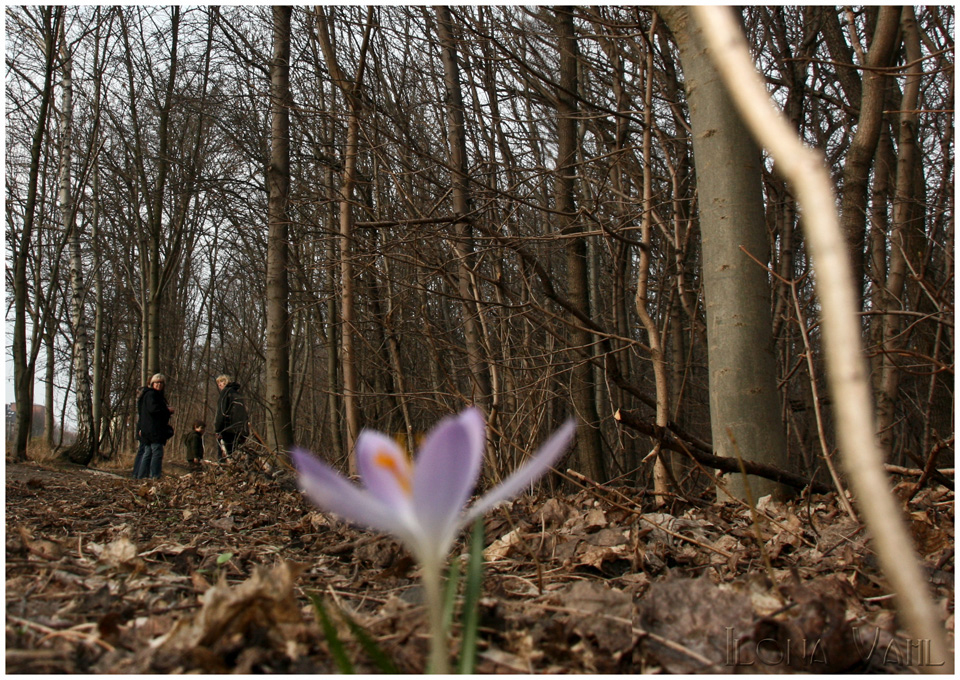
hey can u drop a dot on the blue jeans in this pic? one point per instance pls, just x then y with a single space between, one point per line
152 461
138 461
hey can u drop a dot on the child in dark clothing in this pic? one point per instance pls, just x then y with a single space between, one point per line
193 442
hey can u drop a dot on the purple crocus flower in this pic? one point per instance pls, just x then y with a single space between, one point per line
423 503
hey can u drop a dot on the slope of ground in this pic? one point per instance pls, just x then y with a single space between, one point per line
211 571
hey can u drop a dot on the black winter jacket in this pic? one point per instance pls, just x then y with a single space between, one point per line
154 418
231 412
193 443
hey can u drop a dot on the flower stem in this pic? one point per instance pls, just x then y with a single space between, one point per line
439 649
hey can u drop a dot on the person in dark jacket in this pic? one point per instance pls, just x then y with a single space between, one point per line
155 427
231 421
193 443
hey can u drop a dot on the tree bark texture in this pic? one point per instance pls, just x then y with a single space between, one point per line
744 400
82 451
279 427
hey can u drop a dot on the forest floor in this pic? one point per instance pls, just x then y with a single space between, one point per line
210 572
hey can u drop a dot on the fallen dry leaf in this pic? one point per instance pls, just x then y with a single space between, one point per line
118 553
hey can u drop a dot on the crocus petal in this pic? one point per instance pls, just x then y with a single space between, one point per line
330 491
446 472
523 477
384 468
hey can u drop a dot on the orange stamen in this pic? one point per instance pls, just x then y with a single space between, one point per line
400 472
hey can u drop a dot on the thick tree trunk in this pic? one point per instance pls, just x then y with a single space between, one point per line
82 451
744 400
280 429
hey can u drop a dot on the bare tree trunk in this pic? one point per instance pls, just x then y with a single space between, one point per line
744 400
208 340
350 91
24 363
48 340
832 34
150 255
82 451
856 167
154 301
662 465
463 243
588 447
348 361
329 325
348 298
97 426
333 364
882 188
280 430
622 252
903 202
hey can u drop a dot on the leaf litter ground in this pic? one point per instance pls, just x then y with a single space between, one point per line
210 572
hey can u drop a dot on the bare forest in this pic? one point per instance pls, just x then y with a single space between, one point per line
375 217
